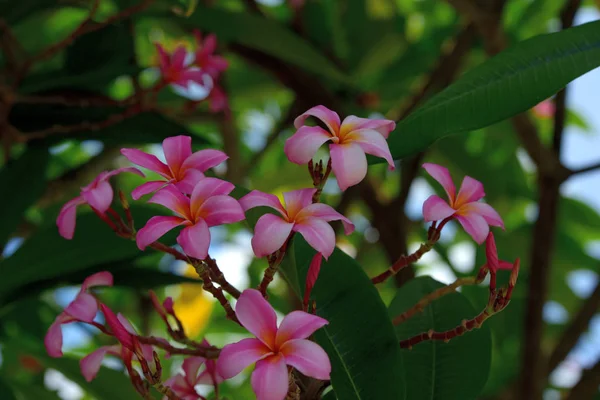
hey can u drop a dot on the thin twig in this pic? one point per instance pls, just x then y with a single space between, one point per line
218 276
274 262
210 352
204 274
589 168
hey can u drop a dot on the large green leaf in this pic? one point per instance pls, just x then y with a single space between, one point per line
445 371
19 195
359 339
507 84
265 35
47 255
6 392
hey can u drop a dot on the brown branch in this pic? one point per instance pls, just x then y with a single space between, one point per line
576 327
587 386
210 352
217 275
204 274
274 262
583 170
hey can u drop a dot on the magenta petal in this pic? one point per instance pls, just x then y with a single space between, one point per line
195 240
296 200
311 278
270 233
99 197
146 160
259 199
154 229
442 175
372 142
470 190
436 209
270 378
236 357
190 367
308 358
163 58
203 160
190 179
301 147
219 210
171 198
491 252
326 213
108 174
90 364
207 188
123 336
381 126
103 278
53 339
349 164
83 308
318 233
146 188
67 217
256 314
298 325
475 225
177 148
329 118
505 265
487 212
178 58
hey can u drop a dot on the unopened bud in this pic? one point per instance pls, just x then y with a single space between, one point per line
514 274
123 199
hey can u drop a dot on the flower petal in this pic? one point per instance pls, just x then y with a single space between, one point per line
486 211
307 357
326 213
470 190
475 226
270 379
177 148
154 229
256 314
67 216
301 147
163 57
219 210
349 164
442 175
207 188
298 325
318 233
491 252
121 334
102 278
53 339
195 240
190 179
329 118
270 233
83 308
146 160
372 142
108 174
296 200
381 126
99 197
259 199
311 278
90 364
236 357
146 188
203 160
436 209
172 199
190 367
178 58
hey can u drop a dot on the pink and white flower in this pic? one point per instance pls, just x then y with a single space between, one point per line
298 215
274 347
205 58
349 141
82 309
209 205
98 195
183 169
475 216
176 68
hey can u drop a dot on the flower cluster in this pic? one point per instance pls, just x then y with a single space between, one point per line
197 202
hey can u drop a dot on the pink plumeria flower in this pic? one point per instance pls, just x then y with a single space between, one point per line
493 263
184 384
205 58
350 140
175 69
98 195
298 215
217 99
82 309
209 205
474 216
183 168
274 347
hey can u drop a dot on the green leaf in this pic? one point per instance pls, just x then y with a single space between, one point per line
454 370
20 196
47 255
26 392
265 35
13 11
507 84
6 392
359 339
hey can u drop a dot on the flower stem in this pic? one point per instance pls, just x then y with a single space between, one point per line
217 292
217 275
274 262
209 352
